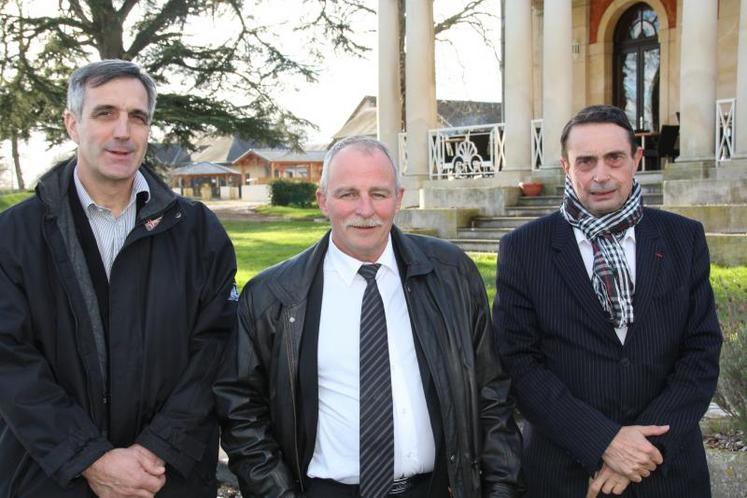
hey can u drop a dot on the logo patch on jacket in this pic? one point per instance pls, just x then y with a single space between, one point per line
151 224
234 296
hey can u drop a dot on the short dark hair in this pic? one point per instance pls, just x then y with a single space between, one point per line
101 72
598 114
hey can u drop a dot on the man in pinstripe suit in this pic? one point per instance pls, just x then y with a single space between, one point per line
605 319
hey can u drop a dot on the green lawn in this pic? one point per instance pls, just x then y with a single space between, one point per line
7 200
290 212
260 245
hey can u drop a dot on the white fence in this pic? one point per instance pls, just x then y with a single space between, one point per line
538 143
725 129
402 142
466 152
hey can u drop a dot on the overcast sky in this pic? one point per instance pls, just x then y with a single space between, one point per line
466 69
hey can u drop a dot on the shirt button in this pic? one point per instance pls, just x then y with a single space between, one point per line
292 319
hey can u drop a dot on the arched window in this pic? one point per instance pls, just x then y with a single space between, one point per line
637 57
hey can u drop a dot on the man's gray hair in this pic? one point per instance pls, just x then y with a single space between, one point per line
101 72
363 143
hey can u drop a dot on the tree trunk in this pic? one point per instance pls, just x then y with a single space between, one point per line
107 30
16 160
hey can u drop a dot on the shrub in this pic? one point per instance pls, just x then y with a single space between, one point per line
287 193
731 392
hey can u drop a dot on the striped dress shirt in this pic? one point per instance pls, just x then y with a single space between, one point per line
111 231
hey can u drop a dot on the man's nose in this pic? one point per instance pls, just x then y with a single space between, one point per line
365 206
122 127
601 172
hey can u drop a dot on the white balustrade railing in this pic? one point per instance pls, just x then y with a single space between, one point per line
725 109
538 143
402 152
466 151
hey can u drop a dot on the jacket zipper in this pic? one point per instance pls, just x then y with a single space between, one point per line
291 376
76 324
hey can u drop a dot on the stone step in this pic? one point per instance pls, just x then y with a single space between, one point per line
482 233
530 211
541 200
500 221
476 245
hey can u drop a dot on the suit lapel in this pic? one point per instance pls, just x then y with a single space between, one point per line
648 255
567 259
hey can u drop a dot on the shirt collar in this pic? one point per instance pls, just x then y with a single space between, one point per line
139 185
347 266
581 238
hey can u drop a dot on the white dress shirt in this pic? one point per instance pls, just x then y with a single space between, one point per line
336 452
110 231
587 253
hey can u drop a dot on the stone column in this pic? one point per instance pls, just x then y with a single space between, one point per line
518 84
420 80
557 75
740 139
698 80
388 107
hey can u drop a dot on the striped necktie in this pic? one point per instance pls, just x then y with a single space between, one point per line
376 418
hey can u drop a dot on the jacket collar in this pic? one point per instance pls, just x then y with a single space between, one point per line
294 277
567 259
649 253
53 187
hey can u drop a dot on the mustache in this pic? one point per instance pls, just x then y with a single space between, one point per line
359 222
598 188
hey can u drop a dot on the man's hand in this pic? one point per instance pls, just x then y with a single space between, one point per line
124 472
152 463
631 454
607 481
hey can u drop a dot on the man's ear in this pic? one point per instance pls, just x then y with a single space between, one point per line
321 201
566 165
400 194
71 125
637 158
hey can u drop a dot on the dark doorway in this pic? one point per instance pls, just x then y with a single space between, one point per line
637 56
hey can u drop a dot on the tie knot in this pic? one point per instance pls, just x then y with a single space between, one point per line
369 271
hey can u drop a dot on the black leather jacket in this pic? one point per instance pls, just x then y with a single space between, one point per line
257 395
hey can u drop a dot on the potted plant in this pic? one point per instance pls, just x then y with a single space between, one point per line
530 189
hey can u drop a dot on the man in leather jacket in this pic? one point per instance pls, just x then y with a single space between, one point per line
294 422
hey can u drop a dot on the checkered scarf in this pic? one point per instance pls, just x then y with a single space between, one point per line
610 275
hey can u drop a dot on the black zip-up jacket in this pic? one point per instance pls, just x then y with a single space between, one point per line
67 393
257 393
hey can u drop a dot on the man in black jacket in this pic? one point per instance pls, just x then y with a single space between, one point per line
117 300
365 366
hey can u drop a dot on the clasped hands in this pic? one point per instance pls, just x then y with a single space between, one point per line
126 472
630 457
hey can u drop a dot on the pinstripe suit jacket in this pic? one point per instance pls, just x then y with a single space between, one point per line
577 385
